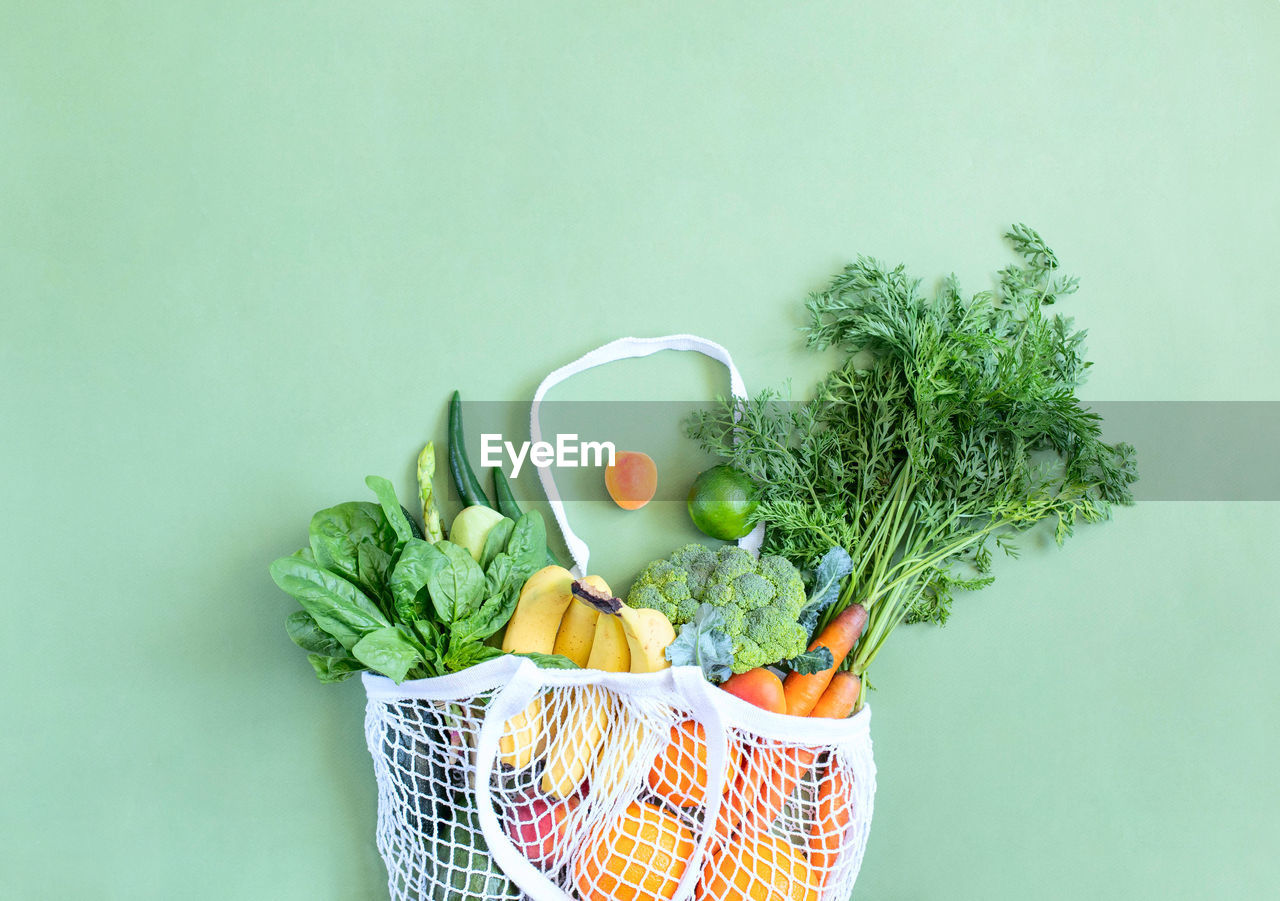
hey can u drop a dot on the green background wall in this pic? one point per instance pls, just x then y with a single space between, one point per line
247 248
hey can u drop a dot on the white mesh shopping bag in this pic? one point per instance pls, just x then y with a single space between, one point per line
506 781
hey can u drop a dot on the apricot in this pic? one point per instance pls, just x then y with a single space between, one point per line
632 480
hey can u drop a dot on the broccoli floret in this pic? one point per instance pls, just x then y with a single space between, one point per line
698 562
759 600
665 586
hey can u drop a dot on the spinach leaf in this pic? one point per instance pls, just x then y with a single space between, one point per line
432 642
465 654
502 590
527 546
428 631
458 587
391 508
491 616
302 628
418 561
496 541
550 661
338 532
335 669
305 553
374 565
337 606
500 576
390 651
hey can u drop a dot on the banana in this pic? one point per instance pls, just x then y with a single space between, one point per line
609 650
626 640
648 634
523 736
578 628
543 601
580 725
533 628
623 745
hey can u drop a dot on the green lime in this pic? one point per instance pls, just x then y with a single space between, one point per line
723 501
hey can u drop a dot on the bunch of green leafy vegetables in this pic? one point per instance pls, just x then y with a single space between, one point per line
377 596
951 425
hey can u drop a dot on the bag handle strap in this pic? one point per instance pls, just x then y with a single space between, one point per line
523 686
623 349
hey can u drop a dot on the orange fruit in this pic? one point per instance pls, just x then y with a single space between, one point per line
757 867
835 811
632 480
679 773
640 857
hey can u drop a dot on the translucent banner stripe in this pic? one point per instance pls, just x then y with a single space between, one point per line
1186 450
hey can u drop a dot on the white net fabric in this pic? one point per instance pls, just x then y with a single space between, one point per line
509 782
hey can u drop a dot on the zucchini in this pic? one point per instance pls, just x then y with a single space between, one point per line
464 477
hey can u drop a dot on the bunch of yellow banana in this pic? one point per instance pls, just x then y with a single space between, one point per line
600 632
547 620
584 622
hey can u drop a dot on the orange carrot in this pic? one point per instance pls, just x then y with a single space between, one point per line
840 698
802 692
831 823
759 686
770 775
781 770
